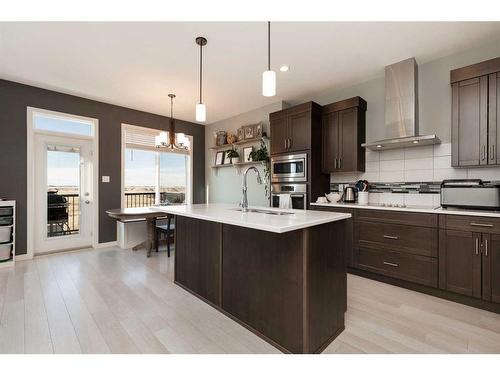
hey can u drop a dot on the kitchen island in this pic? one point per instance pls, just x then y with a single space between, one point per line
279 273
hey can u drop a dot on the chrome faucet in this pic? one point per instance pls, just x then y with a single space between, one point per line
244 199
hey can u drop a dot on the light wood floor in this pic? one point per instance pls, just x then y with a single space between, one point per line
119 301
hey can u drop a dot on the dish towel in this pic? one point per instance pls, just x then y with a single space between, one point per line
285 201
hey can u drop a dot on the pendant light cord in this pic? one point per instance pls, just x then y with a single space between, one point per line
268 45
201 69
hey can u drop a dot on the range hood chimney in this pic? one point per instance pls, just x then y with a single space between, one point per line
401 109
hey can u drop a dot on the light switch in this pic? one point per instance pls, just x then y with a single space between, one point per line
105 179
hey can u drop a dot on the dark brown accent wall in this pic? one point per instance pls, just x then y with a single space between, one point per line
16 97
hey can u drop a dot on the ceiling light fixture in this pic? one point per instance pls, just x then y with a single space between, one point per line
269 76
284 68
201 109
171 139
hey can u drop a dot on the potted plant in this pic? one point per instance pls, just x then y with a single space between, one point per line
233 155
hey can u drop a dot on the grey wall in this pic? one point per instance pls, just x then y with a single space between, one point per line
434 93
226 186
15 97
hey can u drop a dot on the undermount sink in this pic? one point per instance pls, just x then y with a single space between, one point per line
260 211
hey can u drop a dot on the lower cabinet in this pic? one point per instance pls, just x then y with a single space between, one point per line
416 268
469 263
460 262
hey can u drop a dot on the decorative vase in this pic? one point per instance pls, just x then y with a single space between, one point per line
235 160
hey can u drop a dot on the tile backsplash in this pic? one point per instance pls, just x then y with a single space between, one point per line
414 164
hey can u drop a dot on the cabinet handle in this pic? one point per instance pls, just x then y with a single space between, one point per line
289 143
481 225
477 245
390 237
483 152
391 264
340 163
284 140
492 152
485 247
336 160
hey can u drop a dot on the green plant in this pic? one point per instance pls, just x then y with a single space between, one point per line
262 155
232 153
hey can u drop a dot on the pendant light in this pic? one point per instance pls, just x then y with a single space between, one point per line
201 110
269 76
171 139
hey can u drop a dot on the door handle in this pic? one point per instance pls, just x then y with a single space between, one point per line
481 225
390 237
391 264
477 245
485 247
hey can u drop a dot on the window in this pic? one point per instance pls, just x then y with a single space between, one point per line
153 175
55 123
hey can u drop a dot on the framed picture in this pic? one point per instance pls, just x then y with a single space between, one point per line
219 157
258 130
226 159
241 134
249 132
246 154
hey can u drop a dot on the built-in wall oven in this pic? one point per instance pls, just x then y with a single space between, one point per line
289 168
294 194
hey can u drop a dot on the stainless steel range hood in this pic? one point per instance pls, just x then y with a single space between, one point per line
401 109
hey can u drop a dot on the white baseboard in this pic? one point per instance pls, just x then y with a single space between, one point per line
106 244
23 257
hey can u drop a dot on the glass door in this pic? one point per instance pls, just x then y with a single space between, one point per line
63 191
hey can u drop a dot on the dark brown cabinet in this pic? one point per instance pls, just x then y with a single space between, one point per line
491 268
475 98
469 262
343 129
292 128
460 262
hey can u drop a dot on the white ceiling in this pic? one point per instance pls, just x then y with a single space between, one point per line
136 65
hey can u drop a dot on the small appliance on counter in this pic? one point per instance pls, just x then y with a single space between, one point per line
471 194
349 195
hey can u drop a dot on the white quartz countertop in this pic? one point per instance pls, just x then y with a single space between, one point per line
227 214
423 209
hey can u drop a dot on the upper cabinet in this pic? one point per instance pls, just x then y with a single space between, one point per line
344 130
475 108
292 129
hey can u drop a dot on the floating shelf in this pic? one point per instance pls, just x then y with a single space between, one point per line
237 166
243 142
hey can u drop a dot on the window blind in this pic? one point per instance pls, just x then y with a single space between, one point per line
144 139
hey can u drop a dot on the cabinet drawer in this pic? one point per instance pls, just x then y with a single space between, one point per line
414 268
471 223
402 238
398 217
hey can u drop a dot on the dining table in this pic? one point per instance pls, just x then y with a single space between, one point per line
149 214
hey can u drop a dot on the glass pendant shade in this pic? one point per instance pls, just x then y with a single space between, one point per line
162 139
201 112
269 83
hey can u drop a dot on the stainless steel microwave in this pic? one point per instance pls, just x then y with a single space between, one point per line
289 168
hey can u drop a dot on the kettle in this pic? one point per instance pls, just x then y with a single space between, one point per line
349 195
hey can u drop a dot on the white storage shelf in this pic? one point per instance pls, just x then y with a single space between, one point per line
12 242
